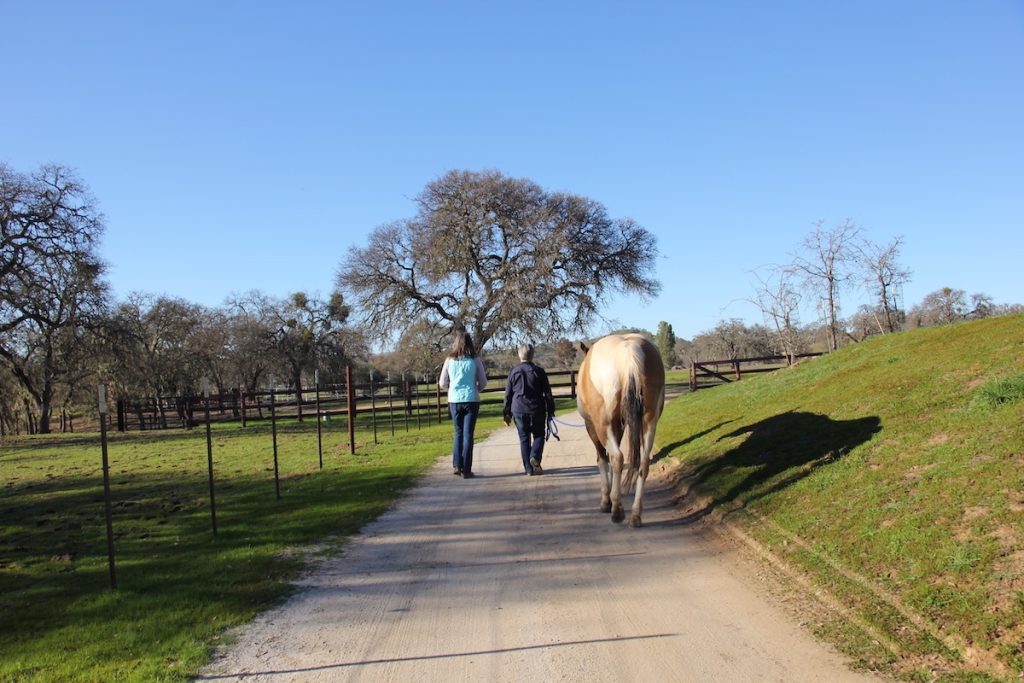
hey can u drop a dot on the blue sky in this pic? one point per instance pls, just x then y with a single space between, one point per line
248 145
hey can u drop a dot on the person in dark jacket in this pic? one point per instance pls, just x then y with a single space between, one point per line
528 400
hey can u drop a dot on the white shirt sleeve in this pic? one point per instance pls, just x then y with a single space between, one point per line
443 380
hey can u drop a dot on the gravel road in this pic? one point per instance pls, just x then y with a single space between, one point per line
506 577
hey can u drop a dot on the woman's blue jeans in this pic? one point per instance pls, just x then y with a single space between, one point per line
464 416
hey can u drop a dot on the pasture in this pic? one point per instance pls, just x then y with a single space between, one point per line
887 477
179 586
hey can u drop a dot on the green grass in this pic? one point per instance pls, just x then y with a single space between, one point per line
997 393
179 586
892 473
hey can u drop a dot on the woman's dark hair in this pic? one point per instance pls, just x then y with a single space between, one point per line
462 345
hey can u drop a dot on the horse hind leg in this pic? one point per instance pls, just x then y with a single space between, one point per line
615 494
605 474
638 507
641 476
618 514
602 467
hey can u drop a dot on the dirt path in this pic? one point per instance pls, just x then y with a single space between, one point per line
513 578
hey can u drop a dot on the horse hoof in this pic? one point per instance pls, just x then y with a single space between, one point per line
618 515
606 507
634 522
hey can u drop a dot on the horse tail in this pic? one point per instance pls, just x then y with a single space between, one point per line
634 418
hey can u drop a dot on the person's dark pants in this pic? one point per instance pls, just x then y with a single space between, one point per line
531 437
464 416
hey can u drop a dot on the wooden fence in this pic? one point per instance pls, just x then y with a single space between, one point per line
709 373
406 399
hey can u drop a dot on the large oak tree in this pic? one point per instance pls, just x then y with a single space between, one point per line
51 286
500 256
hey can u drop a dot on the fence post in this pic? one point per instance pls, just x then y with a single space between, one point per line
351 410
417 385
391 407
107 507
319 436
373 407
209 452
407 398
122 415
273 434
693 374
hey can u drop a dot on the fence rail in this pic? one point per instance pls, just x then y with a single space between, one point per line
407 399
709 373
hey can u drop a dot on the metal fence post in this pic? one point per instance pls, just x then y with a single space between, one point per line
209 453
108 512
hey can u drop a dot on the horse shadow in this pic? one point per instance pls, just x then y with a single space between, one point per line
666 450
778 451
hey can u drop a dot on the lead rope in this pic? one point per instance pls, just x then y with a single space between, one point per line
552 428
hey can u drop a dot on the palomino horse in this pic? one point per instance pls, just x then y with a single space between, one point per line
621 392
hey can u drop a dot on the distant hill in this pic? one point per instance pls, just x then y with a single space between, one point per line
891 475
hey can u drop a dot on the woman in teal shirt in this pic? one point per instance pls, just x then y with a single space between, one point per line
464 376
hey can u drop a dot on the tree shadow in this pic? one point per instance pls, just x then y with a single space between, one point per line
778 451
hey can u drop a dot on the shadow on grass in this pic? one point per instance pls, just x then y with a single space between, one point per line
667 450
778 451
53 563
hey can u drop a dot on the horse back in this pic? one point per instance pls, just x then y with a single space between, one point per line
610 368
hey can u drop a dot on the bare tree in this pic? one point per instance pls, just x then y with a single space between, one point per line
564 354
884 277
864 323
982 305
718 343
156 339
156 344
732 339
212 348
302 330
249 348
941 307
499 256
779 301
50 279
824 262
10 400
684 351
418 350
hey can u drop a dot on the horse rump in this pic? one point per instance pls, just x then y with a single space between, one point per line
621 392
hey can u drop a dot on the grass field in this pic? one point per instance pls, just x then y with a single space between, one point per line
891 473
179 586
888 476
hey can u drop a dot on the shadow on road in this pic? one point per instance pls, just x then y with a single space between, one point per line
443 655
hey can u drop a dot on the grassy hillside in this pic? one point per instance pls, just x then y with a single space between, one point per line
891 474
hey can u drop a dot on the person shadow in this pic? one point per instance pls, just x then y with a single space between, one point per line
777 452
